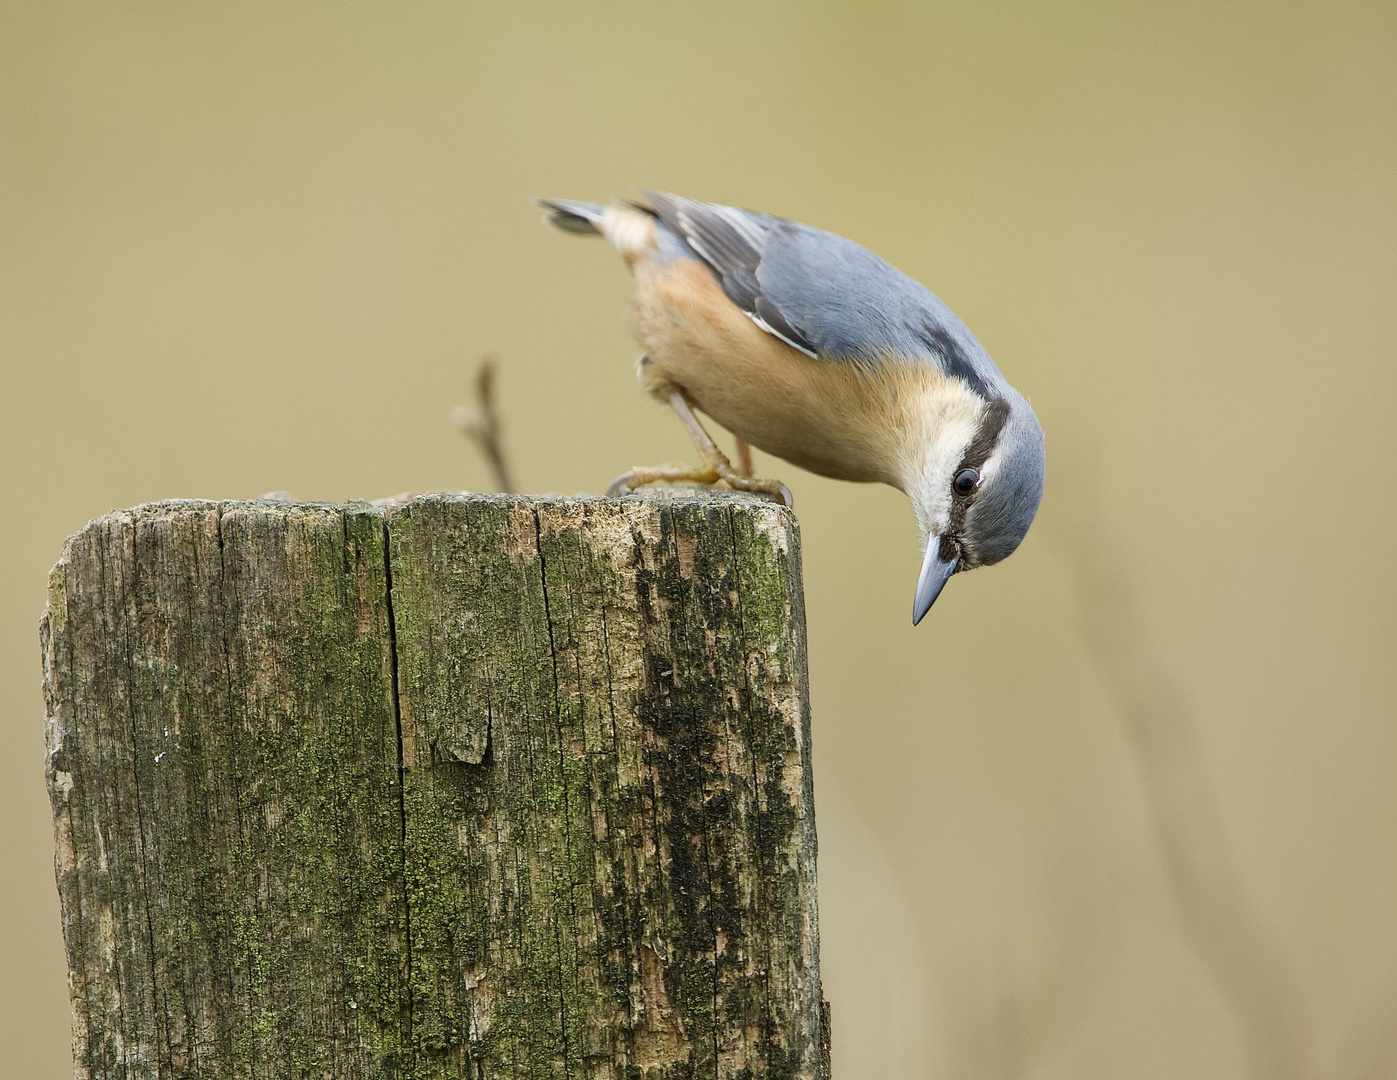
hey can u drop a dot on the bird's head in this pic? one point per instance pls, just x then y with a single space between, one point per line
976 481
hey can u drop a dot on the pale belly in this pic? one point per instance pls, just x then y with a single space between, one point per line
786 418
832 418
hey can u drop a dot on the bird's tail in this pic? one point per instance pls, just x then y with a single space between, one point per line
578 217
630 227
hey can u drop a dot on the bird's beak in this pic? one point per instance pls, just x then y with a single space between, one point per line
935 571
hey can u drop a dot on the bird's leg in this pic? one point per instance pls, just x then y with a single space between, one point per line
744 457
716 465
716 460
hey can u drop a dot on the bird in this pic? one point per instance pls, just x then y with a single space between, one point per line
810 347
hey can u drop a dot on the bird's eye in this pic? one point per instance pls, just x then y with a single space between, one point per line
966 481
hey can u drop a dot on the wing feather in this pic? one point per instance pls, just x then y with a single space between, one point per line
732 243
824 295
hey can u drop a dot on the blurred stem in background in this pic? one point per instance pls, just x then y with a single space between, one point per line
481 424
1238 953
1245 962
1225 933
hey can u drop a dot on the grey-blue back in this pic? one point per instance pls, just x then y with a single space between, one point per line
826 294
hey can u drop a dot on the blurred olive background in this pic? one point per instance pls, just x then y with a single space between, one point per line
1125 806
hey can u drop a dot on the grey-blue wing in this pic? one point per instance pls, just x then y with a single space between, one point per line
823 294
732 242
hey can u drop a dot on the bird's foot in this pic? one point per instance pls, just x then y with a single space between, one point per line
703 475
746 482
668 474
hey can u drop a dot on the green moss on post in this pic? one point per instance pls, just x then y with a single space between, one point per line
473 787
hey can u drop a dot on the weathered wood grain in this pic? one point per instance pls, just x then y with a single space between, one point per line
469 787
222 760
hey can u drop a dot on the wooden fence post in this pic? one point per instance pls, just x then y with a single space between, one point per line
478 786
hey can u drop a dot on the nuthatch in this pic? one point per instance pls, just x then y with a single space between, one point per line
814 349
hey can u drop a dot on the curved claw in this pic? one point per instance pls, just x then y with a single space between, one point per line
764 487
620 486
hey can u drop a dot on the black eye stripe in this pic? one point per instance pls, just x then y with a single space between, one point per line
976 454
986 435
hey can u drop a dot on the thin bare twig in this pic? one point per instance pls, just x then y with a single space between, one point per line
481 424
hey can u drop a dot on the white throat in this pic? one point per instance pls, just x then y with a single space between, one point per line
943 428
